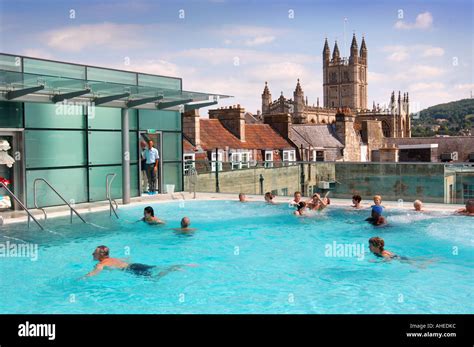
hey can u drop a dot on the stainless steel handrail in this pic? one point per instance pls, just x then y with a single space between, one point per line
22 206
107 193
35 184
192 174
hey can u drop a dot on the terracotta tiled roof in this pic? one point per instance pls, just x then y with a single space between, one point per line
257 136
214 135
187 146
262 136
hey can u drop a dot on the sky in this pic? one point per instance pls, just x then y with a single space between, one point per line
232 47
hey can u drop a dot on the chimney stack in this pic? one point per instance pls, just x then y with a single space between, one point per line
232 118
191 127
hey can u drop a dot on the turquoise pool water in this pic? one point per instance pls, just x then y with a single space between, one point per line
252 258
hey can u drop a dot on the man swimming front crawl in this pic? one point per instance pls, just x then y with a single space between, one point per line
101 254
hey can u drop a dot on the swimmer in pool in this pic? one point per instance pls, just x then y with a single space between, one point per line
376 217
468 210
242 197
296 199
101 254
418 205
376 246
149 216
300 208
269 198
316 203
185 223
356 199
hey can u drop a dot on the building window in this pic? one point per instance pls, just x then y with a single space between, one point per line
215 159
385 129
284 191
468 192
245 160
240 160
189 162
319 156
289 155
268 158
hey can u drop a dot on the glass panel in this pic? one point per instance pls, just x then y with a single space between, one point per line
133 146
70 183
172 146
133 119
11 115
54 116
159 82
110 118
97 182
50 68
105 118
105 147
172 174
50 148
114 76
10 63
160 120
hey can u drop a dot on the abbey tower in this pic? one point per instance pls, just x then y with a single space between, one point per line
345 79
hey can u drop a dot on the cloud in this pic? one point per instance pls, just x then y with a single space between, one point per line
259 40
216 56
433 52
421 86
464 86
248 35
423 21
38 53
399 53
104 35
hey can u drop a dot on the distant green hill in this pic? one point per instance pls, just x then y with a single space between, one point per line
452 118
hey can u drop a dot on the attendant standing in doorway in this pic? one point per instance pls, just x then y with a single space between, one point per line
152 158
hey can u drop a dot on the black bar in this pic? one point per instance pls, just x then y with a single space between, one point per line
301 330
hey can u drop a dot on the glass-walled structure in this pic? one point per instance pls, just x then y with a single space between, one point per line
73 125
451 183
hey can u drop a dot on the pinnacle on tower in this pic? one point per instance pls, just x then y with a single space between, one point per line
363 48
266 91
298 89
354 47
335 52
326 50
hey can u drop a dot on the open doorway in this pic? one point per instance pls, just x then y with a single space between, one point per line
151 180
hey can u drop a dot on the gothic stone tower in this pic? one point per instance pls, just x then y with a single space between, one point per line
345 79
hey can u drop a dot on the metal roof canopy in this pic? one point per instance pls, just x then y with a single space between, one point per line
29 87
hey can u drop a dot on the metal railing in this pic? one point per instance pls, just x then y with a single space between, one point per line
191 175
451 183
72 209
108 194
22 206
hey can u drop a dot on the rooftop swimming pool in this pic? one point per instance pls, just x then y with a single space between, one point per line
251 258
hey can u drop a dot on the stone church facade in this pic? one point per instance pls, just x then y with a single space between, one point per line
359 129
